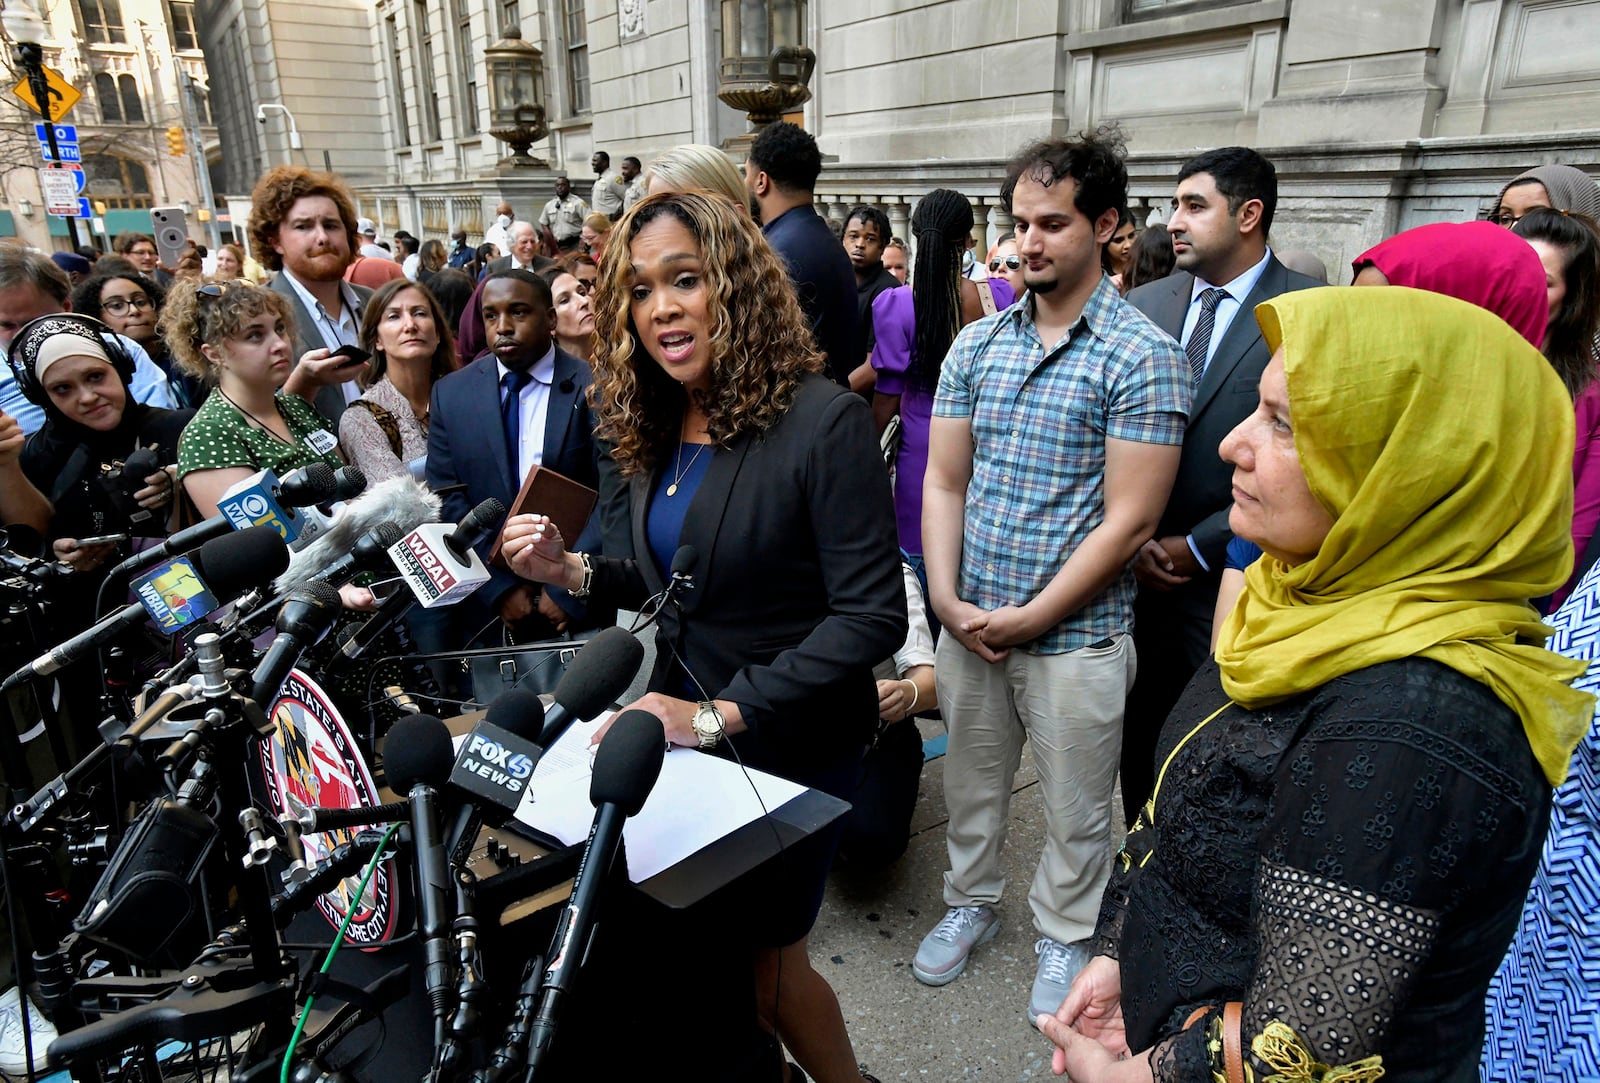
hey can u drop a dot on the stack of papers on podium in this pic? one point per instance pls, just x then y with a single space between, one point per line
698 800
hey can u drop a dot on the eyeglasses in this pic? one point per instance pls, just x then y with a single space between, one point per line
1507 220
118 305
1011 263
585 287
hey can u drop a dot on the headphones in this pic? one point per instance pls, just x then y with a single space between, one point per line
31 337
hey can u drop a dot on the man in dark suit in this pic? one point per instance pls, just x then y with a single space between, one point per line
303 225
524 254
1221 214
781 173
474 430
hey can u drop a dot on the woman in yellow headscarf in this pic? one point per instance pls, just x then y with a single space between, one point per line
1351 800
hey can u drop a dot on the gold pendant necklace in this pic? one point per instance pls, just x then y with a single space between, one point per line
681 470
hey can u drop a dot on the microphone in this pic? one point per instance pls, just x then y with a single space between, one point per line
180 591
595 677
681 578
371 551
626 767
305 618
230 565
494 768
437 560
262 500
349 483
398 501
314 821
416 759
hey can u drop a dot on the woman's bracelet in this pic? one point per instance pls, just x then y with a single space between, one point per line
914 695
588 576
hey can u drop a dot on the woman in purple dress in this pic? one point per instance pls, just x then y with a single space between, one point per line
914 326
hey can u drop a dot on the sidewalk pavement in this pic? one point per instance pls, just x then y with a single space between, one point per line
869 928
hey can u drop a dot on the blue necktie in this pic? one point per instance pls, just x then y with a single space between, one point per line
1199 343
511 418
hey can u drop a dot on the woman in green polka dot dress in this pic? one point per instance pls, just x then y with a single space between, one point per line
240 338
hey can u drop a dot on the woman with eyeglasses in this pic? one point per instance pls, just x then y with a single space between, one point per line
915 325
1004 262
240 339
129 303
574 330
1558 187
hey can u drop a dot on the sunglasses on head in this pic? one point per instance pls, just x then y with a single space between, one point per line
1011 263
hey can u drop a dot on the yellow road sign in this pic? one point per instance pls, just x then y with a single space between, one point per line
63 95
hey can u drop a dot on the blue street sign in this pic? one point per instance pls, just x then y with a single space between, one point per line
78 175
65 133
70 152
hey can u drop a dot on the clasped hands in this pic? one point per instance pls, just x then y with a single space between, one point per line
991 633
1088 1032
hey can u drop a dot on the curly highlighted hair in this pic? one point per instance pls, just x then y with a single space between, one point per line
277 191
199 314
761 345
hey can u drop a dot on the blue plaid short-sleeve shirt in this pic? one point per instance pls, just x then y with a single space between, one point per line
1040 419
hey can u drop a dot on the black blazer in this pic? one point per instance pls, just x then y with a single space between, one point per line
467 444
329 400
1203 490
797 586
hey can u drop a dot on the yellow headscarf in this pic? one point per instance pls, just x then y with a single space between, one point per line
1441 442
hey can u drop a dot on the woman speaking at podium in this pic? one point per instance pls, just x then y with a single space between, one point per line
729 439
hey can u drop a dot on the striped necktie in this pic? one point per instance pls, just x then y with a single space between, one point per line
1199 343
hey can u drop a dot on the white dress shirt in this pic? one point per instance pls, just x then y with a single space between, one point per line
533 410
345 331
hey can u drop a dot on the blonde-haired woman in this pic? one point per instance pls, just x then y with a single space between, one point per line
730 440
697 165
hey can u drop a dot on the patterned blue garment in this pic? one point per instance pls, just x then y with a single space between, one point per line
1544 1003
1040 420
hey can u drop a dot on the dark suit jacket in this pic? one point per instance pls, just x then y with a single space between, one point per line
1203 491
825 282
329 400
797 585
467 445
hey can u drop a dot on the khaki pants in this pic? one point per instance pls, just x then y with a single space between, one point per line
1070 706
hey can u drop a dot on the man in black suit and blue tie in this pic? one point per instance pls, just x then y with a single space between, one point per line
1221 213
522 404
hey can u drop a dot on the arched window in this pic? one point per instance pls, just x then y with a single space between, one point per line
105 91
121 183
119 98
132 107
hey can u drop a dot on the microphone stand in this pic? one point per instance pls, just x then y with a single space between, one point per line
472 989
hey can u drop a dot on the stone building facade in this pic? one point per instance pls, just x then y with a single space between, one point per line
1380 114
141 71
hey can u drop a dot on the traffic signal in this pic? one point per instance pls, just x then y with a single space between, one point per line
175 142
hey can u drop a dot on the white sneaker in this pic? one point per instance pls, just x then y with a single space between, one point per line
13 1054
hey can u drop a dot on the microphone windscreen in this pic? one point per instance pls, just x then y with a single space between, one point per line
417 749
600 672
350 482
310 485
241 561
518 711
628 762
309 611
138 466
397 500
684 560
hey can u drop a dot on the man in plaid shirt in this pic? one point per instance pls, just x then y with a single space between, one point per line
1056 434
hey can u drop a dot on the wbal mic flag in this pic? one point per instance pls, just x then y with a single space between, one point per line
495 765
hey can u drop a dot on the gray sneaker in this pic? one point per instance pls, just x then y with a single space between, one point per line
1058 965
942 955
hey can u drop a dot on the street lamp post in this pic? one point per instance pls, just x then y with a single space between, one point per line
516 98
26 30
294 132
765 62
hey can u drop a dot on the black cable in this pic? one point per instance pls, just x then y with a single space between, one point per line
16 957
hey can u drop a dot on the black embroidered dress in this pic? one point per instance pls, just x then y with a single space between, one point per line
1350 863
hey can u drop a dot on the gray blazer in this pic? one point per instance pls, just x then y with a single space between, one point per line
329 400
1203 491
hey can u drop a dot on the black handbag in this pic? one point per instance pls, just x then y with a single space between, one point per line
877 829
536 667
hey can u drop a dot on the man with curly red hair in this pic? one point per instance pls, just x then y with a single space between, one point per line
303 227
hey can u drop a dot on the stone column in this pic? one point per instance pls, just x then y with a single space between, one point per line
899 219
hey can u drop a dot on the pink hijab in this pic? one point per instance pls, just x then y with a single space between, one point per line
1482 263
